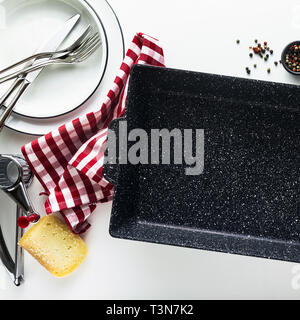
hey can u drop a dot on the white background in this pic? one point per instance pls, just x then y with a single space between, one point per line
196 35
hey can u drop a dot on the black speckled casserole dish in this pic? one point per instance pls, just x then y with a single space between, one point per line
247 199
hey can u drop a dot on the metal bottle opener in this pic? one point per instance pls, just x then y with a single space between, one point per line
15 177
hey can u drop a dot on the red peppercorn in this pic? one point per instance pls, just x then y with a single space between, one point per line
265 43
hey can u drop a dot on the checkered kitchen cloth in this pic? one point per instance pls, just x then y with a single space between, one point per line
69 160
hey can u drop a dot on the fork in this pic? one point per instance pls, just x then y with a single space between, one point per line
78 42
78 55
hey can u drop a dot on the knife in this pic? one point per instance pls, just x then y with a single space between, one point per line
24 81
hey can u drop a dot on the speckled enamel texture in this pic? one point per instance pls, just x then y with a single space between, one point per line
247 199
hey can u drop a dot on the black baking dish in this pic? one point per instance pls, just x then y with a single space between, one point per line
247 199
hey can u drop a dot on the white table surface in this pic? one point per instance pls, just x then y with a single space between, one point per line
200 36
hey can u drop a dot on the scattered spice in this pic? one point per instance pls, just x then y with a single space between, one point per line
237 41
264 52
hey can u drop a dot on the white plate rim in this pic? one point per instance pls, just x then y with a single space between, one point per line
71 115
103 67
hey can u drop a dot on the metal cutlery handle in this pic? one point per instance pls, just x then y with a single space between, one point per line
26 70
36 56
7 112
10 90
19 255
33 57
14 268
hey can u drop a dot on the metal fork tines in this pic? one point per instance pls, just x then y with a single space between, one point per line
80 52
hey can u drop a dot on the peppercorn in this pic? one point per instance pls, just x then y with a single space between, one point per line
265 43
237 41
255 40
254 65
271 51
259 45
269 70
251 55
276 63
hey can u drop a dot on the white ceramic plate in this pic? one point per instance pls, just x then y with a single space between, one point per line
115 44
58 89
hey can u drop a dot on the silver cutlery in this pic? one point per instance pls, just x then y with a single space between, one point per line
25 80
86 34
78 55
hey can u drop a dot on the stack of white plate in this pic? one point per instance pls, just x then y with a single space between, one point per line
60 93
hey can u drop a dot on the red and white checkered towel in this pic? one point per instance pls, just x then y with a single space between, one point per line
68 161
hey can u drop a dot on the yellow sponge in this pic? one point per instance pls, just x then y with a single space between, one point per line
54 246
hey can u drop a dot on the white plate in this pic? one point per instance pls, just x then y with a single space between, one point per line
29 23
115 44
